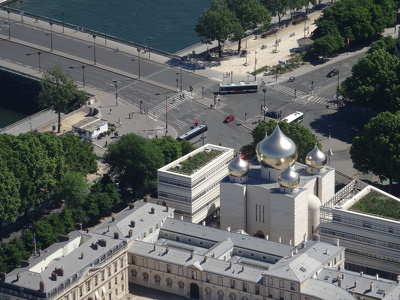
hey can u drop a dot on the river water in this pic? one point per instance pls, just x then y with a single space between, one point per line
168 23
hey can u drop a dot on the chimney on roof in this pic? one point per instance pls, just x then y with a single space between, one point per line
339 267
133 223
327 251
167 207
3 276
192 254
228 228
95 246
398 279
290 242
63 237
116 235
355 283
361 273
144 198
166 250
41 286
316 237
82 255
340 282
87 230
102 243
304 238
342 275
112 218
267 237
181 218
296 250
130 232
303 244
280 240
131 206
152 210
18 277
230 265
291 252
59 271
203 223
376 276
384 293
53 276
242 268
154 247
205 258
108 228
25 263
336 242
371 286
79 226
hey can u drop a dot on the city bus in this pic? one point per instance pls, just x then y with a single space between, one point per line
296 117
196 131
241 87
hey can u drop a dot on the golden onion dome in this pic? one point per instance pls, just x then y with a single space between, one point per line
276 151
289 178
316 158
238 167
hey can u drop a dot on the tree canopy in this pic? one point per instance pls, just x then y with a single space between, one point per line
59 92
301 136
375 81
377 149
218 23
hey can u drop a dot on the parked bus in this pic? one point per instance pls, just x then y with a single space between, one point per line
201 129
296 117
241 87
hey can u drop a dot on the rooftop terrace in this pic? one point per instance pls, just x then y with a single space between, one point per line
197 161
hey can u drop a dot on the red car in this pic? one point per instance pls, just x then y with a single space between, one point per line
229 118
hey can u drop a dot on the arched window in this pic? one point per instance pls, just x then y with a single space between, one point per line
156 265
145 276
208 293
270 281
157 280
220 295
134 273
281 284
245 298
232 296
169 282
181 285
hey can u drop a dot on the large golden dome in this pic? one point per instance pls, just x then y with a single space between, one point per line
238 167
289 178
316 158
276 151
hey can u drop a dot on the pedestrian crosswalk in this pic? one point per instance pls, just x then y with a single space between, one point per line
299 96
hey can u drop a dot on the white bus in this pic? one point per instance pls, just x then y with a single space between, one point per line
241 87
201 129
296 117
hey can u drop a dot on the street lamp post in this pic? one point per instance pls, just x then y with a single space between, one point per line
148 40
338 75
51 36
264 91
21 13
231 76
62 19
94 48
105 34
181 63
255 65
83 74
40 68
166 114
138 51
9 24
116 92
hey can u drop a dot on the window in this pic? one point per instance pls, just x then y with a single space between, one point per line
220 295
169 282
156 265
180 271
208 277
168 268
189 240
293 297
109 271
134 273
270 293
194 274
116 280
181 285
133 260
281 284
244 287
220 280
66 297
232 296
115 267
122 262
232 282
201 243
245 298
96 280
145 276
157 280
293 286
257 290
281 295
145 262
109 284
88 286
270 281
73 295
208 293
80 291
102 275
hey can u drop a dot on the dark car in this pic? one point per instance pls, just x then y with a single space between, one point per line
273 114
333 73
229 118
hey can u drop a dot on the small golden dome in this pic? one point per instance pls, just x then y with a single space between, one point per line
238 167
289 178
276 151
316 158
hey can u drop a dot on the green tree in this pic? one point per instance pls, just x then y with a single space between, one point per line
134 160
375 82
377 149
73 188
277 8
186 147
59 92
328 44
218 23
386 43
79 155
250 14
9 193
170 148
301 136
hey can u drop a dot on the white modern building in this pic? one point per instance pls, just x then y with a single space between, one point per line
273 196
190 184
372 242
